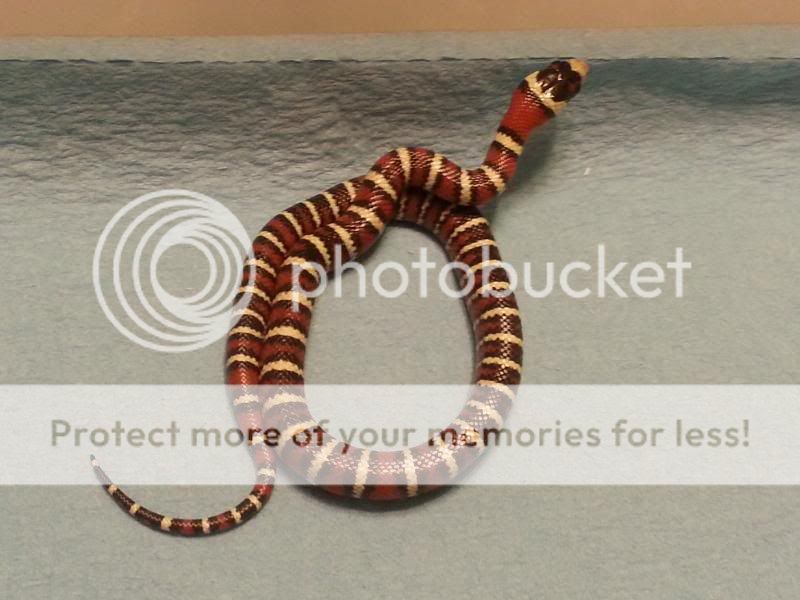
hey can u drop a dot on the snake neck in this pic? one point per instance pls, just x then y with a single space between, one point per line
539 97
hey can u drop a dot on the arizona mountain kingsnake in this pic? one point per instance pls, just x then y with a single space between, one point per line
266 346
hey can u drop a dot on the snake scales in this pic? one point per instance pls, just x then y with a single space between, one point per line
266 346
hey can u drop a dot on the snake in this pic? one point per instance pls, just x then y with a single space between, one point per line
266 345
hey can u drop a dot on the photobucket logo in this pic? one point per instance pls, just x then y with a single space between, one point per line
575 279
133 244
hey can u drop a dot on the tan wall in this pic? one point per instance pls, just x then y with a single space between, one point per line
266 17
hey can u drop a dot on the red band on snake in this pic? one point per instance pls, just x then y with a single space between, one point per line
266 346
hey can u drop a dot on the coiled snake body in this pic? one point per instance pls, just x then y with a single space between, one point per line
266 346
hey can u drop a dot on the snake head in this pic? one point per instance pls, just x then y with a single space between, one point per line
559 82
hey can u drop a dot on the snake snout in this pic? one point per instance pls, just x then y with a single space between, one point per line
562 79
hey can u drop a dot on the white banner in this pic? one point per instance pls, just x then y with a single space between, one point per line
562 435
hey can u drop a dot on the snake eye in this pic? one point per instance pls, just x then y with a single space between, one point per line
548 78
567 87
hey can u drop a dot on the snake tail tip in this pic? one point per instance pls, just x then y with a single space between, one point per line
99 473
